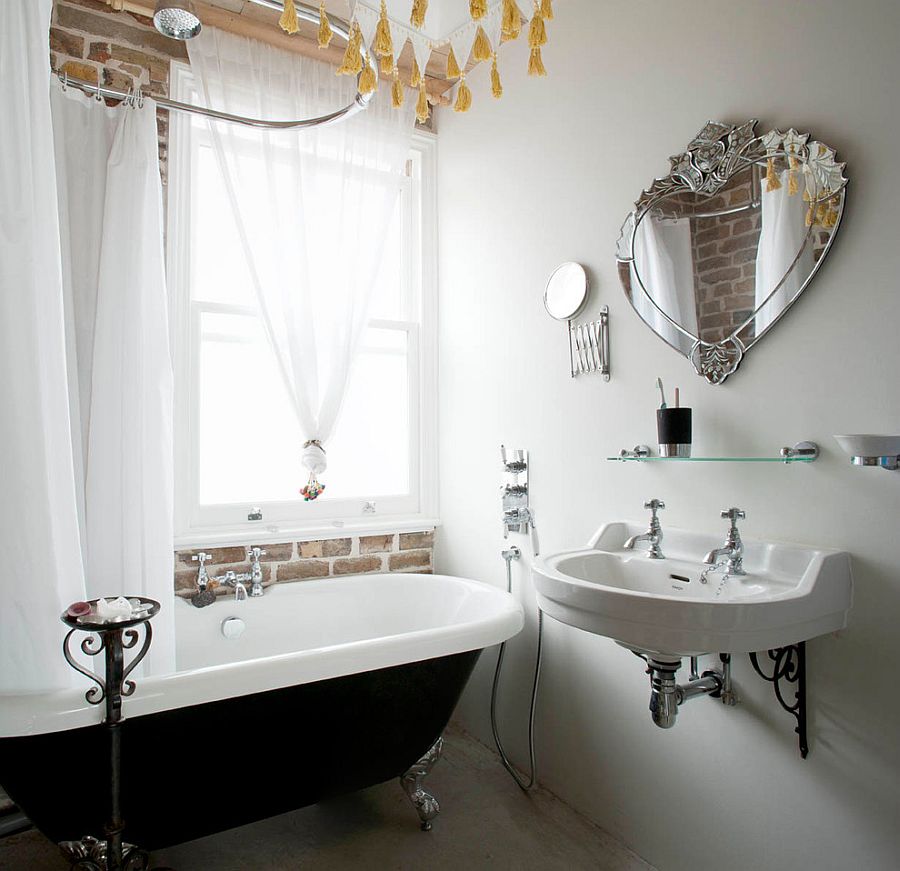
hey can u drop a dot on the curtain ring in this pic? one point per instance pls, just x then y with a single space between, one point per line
97 96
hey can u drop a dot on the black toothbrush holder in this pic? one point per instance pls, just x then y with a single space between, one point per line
673 427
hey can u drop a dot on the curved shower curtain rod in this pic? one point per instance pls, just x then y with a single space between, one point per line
306 13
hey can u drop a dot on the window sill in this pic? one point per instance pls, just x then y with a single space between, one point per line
252 533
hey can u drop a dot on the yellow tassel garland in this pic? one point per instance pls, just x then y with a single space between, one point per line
288 21
536 63
537 32
772 180
325 32
352 63
821 213
511 23
387 64
463 97
481 49
453 71
397 90
496 84
831 217
417 16
384 45
423 111
367 80
547 10
415 78
793 184
477 9
810 214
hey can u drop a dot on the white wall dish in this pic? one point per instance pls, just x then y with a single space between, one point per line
872 450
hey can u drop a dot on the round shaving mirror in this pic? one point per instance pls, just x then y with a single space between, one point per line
567 291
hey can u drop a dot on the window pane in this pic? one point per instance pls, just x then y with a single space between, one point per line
219 270
248 439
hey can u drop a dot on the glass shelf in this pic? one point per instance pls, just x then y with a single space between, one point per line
712 459
802 452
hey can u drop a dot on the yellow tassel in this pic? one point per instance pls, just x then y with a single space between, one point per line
496 84
793 184
423 111
482 50
453 71
417 16
537 32
352 63
547 10
773 183
463 97
831 217
288 21
821 213
397 90
415 78
536 63
387 64
810 214
384 45
325 33
511 24
367 80
477 9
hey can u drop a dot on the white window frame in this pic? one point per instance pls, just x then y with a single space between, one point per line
205 525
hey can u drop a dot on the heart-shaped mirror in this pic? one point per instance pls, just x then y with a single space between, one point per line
717 251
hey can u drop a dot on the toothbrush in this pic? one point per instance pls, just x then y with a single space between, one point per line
662 394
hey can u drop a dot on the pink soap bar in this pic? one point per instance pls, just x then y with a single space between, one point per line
78 609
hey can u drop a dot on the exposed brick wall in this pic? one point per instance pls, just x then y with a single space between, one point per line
308 560
724 249
118 49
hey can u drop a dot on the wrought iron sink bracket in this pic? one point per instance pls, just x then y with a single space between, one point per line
789 667
712 158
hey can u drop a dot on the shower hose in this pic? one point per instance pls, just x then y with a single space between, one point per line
509 555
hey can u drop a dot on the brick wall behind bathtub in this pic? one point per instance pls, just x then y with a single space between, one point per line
321 558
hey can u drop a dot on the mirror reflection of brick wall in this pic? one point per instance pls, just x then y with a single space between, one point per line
724 250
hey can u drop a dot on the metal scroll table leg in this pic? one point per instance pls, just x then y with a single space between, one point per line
426 805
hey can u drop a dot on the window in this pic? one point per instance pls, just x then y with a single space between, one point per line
237 441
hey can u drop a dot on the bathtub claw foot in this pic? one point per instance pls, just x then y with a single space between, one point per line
426 805
89 854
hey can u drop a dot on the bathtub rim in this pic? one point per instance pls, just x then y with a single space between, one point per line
23 714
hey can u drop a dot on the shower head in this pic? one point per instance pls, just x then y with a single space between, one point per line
176 18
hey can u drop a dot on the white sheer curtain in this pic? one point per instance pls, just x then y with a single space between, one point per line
783 233
664 261
38 519
312 208
120 371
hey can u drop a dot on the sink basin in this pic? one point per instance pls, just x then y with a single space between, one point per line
673 607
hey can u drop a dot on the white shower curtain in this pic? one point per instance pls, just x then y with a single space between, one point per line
327 195
664 261
38 520
120 371
783 232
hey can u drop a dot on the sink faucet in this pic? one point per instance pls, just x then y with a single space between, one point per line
733 550
654 535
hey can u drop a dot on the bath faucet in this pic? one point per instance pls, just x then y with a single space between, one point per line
654 535
202 573
233 579
733 550
256 579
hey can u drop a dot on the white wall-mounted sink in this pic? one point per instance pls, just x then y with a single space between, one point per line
790 593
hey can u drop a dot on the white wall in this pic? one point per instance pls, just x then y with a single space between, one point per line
547 174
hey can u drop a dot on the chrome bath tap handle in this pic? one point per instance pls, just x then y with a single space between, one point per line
202 574
256 579
654 534
733 549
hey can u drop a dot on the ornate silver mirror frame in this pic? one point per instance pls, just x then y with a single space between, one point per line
713 158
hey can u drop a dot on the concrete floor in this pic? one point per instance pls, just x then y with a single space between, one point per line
485 822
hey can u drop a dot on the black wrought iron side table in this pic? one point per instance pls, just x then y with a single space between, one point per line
112 638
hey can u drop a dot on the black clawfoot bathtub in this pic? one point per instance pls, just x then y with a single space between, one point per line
334 686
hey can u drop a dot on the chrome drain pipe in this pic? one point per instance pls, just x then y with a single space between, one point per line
666 694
